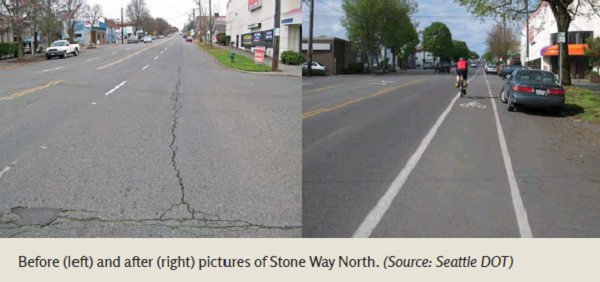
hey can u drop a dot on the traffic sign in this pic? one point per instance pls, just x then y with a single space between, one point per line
561 37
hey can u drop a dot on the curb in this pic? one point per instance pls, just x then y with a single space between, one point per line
243 71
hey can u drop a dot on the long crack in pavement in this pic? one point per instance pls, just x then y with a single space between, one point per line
33 221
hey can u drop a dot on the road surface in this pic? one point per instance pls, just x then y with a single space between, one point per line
148 140
402 156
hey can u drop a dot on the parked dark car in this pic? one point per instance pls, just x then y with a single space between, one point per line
533 88
443 67
508 69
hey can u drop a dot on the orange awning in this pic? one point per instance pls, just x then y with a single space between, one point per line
574 50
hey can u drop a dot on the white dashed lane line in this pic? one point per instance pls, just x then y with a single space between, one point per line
115 89
93 59
53 69
145 67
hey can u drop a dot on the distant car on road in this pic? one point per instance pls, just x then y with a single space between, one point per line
473 65
508 69
491 68
61 48
443 67
315 66
133 39
188 39
153 37
427 65
147 39
534 88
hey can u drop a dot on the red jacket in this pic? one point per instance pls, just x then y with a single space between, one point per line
461 65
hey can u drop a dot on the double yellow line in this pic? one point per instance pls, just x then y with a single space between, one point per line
123 59
19 94
323 110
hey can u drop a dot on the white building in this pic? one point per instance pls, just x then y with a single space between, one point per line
251 23
543 48
428 58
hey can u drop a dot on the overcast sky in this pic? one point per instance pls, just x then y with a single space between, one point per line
460 22
176 12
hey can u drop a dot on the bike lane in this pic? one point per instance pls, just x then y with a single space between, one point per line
459 187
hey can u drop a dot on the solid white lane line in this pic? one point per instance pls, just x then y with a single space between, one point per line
155 58
145 67
93 59
520 210
53 69
161 52
4 170
376 214
114 89
114 52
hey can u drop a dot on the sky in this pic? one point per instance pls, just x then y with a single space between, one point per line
175 12
462 24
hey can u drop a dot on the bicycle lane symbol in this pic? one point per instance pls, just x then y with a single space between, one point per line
473 104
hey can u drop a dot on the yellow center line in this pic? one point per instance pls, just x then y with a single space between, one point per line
323 110
19 94
334 86
123 59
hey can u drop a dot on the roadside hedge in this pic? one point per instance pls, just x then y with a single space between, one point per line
291 58
9 48
313 72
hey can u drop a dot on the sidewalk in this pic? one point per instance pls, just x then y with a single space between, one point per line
285 69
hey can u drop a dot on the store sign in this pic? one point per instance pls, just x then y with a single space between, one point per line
247 40
255 25
561 37
259 55
254 4
257 37
287 21
269 35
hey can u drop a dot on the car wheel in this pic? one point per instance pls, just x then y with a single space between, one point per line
64 55
503 96
48 57
76 52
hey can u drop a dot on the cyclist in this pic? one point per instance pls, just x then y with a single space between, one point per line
462 69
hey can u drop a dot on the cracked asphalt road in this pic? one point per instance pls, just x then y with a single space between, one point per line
184 148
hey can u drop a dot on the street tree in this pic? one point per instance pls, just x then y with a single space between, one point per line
438 40
473 55
460 50
137 12
15 12
500 40
593 52
50 23
488 57
564 11
398 29
74 10
93 15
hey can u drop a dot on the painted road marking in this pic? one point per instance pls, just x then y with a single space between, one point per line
473 104
314 113
306 84
53 69
114 89
19 94
520 210
93 59
334 86
370 222
127 48
4 170
155 58
114 52
123 59
145 67
161 52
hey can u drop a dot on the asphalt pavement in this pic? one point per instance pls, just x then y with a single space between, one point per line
148 140
403 156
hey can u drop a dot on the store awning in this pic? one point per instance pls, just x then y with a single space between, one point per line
574 50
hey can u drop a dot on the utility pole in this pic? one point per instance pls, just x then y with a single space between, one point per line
210 23
275 66
122 28
527 27
310 36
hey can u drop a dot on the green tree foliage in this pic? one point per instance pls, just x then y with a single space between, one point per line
473 55
460 50
399 30
593 52
438 40
488 56
362 21
564 12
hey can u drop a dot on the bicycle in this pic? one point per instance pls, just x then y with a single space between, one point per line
463 89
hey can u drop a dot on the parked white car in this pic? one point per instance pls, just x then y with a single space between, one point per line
147 39
491 68
315 66
61 48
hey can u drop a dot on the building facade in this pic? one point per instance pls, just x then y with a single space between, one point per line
111 36
83 33
543 40
250 23
337 54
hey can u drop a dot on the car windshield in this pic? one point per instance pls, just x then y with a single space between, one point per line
535 76
60 43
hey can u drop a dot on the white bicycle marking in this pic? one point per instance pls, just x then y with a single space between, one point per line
473 104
